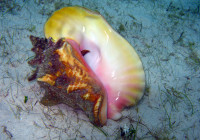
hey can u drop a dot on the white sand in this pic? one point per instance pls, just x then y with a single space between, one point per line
166 35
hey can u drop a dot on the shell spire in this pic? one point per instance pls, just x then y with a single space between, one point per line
66 78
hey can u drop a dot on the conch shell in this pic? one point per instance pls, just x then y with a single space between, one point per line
116 75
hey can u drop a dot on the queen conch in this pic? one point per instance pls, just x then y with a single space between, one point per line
85 64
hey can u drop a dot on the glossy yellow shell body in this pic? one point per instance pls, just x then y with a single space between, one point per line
111 57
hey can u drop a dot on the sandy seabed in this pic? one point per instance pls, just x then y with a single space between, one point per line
165 34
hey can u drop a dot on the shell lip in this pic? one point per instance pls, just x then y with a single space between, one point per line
69 22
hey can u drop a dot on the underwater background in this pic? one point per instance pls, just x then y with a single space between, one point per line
166 36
